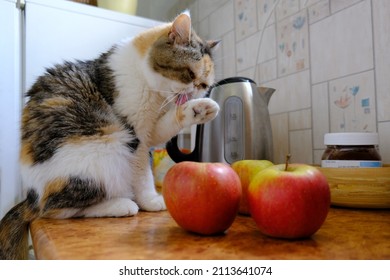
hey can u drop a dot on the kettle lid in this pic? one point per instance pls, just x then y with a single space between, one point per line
230 80
233 80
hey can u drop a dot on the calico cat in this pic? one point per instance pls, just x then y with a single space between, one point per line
88 127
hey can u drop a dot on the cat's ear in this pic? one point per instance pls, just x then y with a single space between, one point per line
213 44
180 32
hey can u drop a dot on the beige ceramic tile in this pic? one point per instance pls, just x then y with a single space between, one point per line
203 28
318 11
246 52
245 18
279 124
317 156
381 18
352 103
320 108
228 55
292 93
267 71
337 5
267 48
218 64
193 7
206 7
342 43
308 3
248 73
301 148
222 20
299 119
384 141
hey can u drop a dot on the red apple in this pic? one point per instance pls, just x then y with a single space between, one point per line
246 170
290 203
202 197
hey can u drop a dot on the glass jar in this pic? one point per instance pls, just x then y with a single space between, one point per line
351 150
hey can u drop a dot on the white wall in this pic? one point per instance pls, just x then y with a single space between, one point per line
162 10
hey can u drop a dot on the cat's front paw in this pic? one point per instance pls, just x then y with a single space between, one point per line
199 111
152 203
115 207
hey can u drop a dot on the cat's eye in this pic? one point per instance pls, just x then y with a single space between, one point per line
192 74
203 85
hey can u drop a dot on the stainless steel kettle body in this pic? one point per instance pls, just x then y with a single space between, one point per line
242 129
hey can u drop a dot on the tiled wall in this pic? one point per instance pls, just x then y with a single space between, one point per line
329 61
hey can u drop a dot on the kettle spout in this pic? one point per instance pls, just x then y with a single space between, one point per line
266 93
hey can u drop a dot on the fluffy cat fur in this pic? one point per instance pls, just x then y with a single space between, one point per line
88 127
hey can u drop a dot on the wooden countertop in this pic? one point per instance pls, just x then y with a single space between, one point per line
346 234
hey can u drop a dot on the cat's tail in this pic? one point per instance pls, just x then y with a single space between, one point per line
14 228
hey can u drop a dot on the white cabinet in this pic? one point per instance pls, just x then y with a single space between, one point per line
10 102
45 33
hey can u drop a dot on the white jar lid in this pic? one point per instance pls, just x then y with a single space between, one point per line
351 138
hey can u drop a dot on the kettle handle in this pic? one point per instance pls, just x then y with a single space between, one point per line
178 156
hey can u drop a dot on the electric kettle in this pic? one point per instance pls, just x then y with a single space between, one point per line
241 130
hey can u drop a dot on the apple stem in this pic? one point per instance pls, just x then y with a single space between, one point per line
288 156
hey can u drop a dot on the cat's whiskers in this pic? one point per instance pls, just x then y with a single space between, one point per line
168 100
176 118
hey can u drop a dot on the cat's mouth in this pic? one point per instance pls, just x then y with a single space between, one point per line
182 98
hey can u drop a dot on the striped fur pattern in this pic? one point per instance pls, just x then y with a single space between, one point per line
88 126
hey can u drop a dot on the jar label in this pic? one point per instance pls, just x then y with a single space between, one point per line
350 163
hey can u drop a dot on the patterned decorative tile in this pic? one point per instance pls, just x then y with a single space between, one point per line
286 8
245 18
292 44
265 13
352 103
